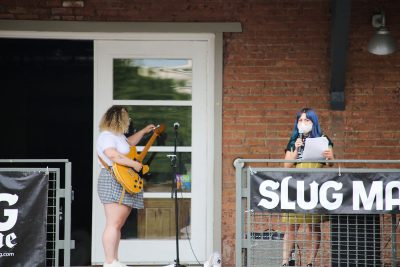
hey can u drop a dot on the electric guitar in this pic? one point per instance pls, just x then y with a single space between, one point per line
128 177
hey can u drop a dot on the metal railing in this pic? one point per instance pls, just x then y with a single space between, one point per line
345 239
59 197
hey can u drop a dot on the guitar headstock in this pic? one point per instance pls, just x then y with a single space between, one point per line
159 129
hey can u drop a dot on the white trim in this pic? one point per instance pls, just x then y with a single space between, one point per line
152 102
166 148
216 55
110 30
103 36
166 195
210 99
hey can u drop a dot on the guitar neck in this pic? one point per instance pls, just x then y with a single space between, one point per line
143 154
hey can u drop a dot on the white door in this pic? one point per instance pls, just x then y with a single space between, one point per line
160 82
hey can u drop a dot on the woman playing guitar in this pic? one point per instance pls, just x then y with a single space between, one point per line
112 146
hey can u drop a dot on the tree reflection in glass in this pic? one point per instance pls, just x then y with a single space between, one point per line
152 79
167 115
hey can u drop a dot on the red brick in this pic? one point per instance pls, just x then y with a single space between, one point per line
73 3
61 11
54 3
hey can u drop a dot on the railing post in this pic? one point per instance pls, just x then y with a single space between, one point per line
394 244
239 216
67 221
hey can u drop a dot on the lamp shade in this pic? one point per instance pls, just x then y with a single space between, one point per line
382 43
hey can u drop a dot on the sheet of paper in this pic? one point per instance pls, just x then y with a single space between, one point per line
314 147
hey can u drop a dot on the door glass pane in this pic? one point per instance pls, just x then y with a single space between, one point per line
167 115
152 79
161 172
157 220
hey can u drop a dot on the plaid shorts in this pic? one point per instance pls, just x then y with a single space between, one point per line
109 191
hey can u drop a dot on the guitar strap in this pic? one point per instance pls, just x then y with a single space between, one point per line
112 173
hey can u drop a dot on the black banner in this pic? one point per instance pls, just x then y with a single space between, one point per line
325 193
23 211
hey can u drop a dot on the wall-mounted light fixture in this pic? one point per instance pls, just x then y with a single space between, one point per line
381 43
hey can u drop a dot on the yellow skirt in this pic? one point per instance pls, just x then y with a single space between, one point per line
294 218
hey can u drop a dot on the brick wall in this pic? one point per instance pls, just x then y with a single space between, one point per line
277 65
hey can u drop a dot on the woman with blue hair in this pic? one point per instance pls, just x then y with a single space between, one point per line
306 126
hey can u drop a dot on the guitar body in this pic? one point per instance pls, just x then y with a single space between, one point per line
127 176
130 179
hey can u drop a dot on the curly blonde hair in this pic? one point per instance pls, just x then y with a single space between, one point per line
116 120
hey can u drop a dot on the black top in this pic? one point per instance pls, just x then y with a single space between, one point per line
291 147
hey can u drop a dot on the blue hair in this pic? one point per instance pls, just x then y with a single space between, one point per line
311 115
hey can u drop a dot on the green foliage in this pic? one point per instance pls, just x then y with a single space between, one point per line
129 84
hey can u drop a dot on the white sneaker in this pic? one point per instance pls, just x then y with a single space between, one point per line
120 264
112 264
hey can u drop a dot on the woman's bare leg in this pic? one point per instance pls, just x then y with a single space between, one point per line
288 242
116 216
314 230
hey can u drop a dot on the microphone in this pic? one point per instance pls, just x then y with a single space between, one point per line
301 133
300 149
176 125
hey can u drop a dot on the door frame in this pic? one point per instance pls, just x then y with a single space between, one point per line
152 46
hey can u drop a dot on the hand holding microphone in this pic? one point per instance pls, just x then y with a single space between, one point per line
299 141
304 128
